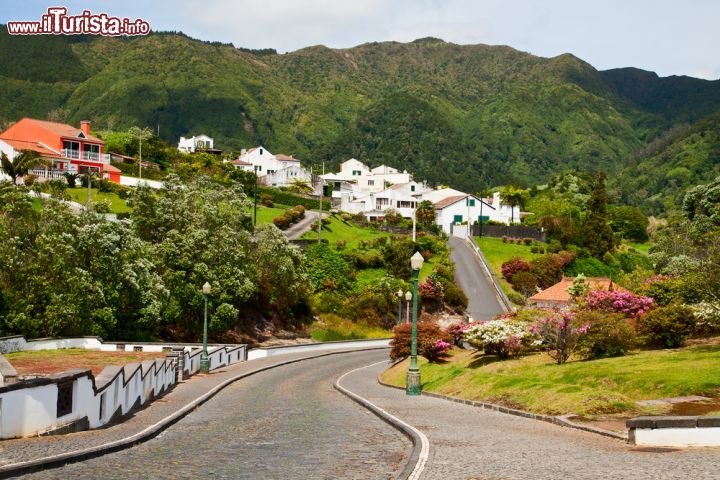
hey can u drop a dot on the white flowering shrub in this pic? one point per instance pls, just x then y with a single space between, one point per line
498 337
707 316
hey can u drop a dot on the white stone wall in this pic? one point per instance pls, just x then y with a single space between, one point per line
30 408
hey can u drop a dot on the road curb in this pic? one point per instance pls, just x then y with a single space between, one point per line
20 468
416 463
559 420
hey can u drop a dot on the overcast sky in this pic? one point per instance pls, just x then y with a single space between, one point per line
670 37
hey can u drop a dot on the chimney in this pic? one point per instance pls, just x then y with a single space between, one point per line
85 126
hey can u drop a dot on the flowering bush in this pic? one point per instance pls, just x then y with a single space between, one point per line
515 265
433 342
610 334
560 333
707 316
497 337
431 289
456 330
626 303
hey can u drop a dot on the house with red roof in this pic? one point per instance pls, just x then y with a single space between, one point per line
557 296
67 149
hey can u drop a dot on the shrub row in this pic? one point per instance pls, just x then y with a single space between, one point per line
291 216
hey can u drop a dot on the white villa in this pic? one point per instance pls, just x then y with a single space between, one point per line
361 179
193 144
277 170
375 205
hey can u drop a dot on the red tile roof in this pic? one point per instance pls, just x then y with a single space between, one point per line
64 130
240 162
33 146
109 168
281 157
558 293
448 201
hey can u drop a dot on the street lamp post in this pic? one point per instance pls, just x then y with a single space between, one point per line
408 297
204 361
255 168
413 375
400 295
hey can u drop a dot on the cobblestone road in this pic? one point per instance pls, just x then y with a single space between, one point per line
472 443
285 423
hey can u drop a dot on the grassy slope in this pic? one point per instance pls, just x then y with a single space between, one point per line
498 253
79 195
536 384
340 229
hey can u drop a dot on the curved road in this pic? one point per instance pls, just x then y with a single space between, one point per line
284 423
483 303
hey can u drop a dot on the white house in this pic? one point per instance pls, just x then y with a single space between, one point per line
192 144
503 212
458 209
287 176
374 205
275 170
242 165
362 179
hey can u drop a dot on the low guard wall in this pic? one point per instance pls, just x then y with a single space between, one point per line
674 431
77 400
312 347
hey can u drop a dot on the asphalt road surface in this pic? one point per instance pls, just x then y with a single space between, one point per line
483 303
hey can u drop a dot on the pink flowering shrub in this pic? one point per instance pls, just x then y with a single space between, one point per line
560 334
456 330
431 289
513 266
625 303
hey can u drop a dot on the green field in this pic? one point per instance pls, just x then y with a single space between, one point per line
266 214
340 229
79 195
496 252
536 384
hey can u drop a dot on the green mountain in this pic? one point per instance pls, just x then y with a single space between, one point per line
465 115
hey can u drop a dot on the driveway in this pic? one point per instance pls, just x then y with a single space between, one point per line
483 303
298 230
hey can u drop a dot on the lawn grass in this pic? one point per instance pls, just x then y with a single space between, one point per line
117 204
496 252
640 247
56 361
267 214
330 328
340 229
536 384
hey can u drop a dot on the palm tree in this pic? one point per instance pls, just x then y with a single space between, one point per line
20 165
301 186
513 196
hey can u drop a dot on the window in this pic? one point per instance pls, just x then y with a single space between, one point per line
483 218
270 172
457 219
412 188
64 398
471 202
261 150
356 173
371 183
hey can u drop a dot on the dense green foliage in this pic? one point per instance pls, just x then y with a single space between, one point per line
469 116
67 274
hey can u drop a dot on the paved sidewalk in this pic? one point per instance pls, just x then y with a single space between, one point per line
28 449
473 443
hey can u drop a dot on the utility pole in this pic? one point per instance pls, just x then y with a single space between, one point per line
140 161
414 220
322 187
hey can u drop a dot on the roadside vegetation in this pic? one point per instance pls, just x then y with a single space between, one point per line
537 384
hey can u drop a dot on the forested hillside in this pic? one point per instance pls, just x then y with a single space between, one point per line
469 116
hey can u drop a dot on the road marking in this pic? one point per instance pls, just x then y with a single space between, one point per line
424 442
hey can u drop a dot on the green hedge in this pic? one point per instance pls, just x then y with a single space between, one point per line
287 198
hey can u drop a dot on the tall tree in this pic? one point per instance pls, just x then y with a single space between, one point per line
425 214
597 234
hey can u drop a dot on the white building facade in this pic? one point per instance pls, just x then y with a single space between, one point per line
193 144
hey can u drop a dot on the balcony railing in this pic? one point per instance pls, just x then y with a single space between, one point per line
49 173
89 156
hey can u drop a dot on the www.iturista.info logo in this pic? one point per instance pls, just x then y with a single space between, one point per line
57 22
